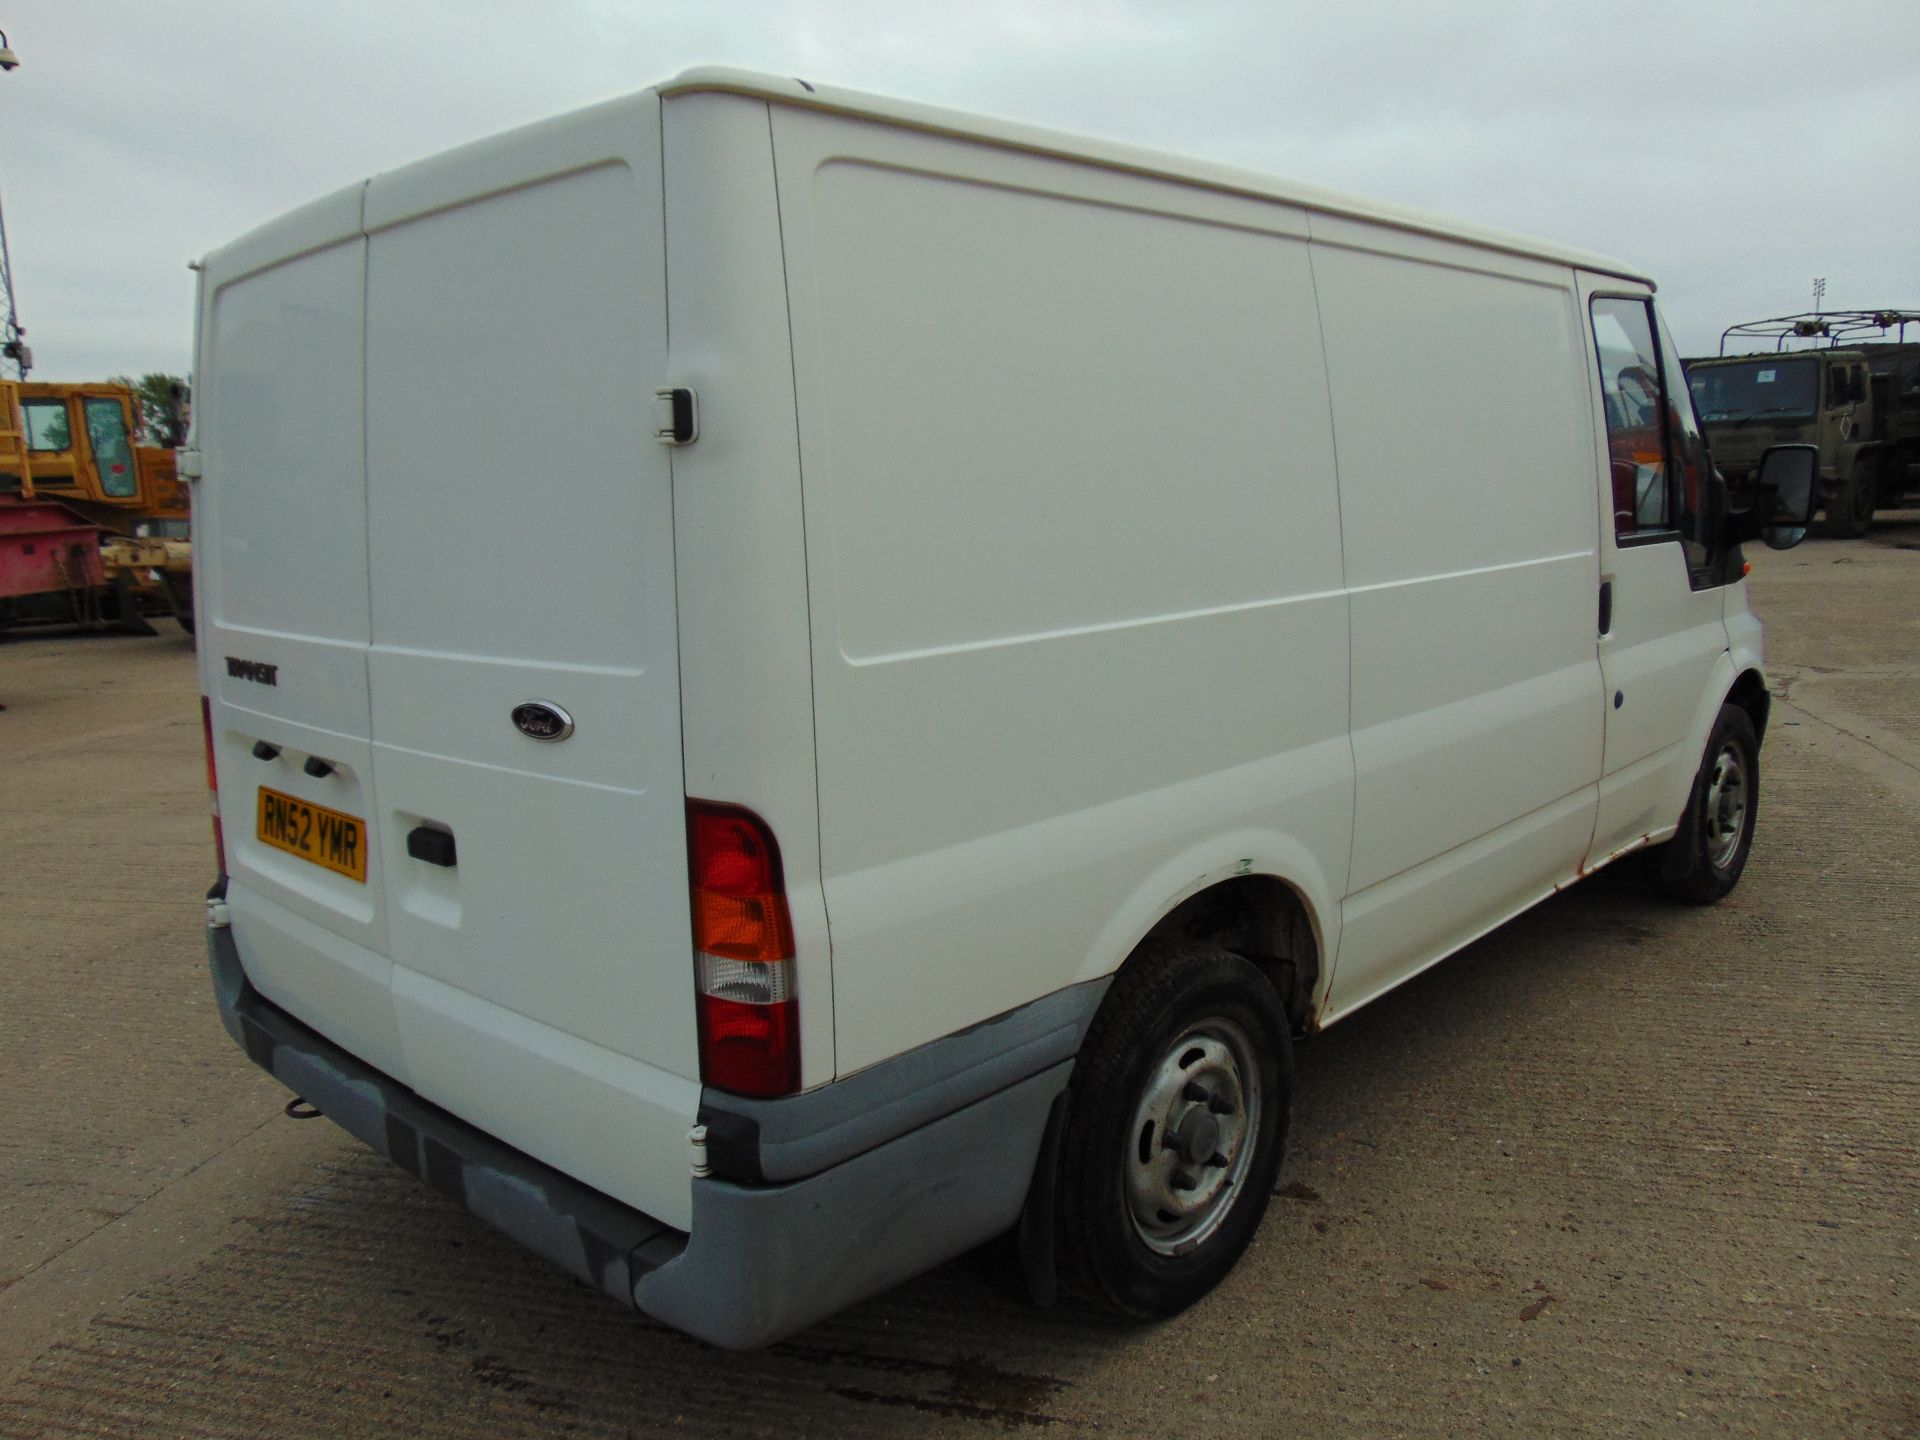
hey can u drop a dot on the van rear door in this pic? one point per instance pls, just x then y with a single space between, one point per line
283 613
520 551
438 500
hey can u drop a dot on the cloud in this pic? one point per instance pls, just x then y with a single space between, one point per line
1733 150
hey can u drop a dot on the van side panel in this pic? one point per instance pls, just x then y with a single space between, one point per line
1073 554
1467 484
746 672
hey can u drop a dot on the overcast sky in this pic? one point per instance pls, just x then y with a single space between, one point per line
1734 150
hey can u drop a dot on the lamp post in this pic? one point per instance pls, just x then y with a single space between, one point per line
13 343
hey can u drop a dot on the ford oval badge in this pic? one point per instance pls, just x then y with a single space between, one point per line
542 720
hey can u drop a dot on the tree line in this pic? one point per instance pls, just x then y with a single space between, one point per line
162 403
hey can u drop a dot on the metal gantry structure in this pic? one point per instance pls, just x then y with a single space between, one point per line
1830 328
13 344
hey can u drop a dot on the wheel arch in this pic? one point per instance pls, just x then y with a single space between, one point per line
1265 901
1749 692
1731 683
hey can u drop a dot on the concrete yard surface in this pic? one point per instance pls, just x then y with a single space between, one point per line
1623 1167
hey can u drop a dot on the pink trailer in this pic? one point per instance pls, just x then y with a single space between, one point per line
44 546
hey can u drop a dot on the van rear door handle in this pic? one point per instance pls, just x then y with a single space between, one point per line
1606 607
431 845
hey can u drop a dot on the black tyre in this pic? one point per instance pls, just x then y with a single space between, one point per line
1850 512
1703 861
1177 1120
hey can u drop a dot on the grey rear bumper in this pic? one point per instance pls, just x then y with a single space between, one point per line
762 1260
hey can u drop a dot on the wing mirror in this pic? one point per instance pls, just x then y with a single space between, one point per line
1785 495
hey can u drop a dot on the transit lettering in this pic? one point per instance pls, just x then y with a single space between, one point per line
257 671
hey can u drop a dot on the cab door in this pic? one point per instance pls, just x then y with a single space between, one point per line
111 447
1660 611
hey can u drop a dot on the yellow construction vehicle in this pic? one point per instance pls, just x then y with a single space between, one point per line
69 456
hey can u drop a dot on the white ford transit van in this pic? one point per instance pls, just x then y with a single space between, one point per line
796 682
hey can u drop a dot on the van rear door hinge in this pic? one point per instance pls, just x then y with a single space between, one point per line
676 417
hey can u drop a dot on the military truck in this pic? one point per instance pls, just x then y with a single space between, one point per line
1853 391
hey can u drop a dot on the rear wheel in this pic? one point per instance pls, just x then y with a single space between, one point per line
1703 861
1850 512
1177 1121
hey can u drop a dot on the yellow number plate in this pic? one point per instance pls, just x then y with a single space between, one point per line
313 832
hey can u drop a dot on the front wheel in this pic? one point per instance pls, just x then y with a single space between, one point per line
1703 861
1177 1120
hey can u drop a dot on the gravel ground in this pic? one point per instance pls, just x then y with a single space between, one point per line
1621 1168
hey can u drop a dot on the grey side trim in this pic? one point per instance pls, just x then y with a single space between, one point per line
585 1233
777 1140
765 1261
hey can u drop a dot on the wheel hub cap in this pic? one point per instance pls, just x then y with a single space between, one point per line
1193 1136
1726 808
1198 1138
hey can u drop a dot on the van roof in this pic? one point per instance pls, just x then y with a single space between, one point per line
1133 159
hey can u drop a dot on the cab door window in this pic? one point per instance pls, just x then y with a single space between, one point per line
1687 449
1656 455
107 434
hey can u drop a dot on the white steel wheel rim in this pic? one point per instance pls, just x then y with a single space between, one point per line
1727 798
1193 1136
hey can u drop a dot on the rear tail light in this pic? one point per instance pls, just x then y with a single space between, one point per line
213 783
742 953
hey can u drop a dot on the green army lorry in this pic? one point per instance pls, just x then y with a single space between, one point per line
1855 394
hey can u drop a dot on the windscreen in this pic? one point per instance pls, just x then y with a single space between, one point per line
1760 388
